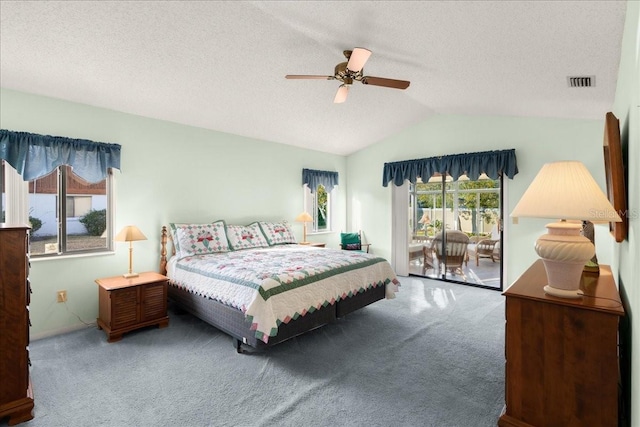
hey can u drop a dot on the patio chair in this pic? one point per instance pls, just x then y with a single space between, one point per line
486 249
455 253
415 247
428 253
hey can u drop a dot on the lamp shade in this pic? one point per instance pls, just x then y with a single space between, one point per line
341 95
130 233
565 190
304 217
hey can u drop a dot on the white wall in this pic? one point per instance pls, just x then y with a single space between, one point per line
170 173
536 141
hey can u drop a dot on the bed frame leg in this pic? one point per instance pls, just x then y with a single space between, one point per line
238 345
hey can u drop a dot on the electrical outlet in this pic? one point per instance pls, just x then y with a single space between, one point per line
62 296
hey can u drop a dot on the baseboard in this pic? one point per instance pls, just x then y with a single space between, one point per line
55 332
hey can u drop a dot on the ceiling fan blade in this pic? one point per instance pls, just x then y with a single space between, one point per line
380 81
341 95
358 57
296 76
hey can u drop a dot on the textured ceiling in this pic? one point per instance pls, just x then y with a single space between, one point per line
221 65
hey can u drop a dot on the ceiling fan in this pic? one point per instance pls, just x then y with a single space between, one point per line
352 70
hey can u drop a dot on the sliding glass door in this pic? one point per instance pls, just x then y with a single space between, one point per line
454 229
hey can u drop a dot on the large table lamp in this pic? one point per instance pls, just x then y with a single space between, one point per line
566 191
130 234
304 218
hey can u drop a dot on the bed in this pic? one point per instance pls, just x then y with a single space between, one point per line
267 292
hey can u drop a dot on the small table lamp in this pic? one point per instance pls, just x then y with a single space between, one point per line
425 221
304 218
130 234
565 190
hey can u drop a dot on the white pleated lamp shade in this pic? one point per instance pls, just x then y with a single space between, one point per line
565 190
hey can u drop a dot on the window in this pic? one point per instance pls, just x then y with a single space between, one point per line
62 187
318 202
469 206
78 206
85 213
318 205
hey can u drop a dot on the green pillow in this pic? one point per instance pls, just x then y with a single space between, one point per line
351 241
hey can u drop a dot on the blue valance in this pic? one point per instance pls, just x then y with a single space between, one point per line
491 163
313 178
35 156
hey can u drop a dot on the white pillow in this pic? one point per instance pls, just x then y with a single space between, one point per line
199 239
246 236
277 233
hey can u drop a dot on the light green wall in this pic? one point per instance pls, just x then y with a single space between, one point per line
627 109
536 141
170 173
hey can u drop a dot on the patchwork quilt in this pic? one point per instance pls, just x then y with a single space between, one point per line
277 284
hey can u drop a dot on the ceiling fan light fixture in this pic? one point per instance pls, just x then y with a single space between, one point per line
352 70
357 58
342 93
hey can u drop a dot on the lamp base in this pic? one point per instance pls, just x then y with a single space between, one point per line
130 275
562 293
564 253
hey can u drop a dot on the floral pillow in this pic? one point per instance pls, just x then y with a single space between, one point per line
199 239
246 236
277 233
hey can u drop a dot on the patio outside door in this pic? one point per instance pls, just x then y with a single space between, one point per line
454 229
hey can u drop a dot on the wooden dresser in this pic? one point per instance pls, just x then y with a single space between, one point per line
561 354
16 397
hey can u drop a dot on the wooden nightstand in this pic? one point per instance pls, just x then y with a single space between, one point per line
317 245
128 304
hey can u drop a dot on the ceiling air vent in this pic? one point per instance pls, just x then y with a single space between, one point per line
582 81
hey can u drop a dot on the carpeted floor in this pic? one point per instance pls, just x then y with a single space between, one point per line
434 356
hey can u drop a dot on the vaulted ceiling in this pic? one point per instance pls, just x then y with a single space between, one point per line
221 65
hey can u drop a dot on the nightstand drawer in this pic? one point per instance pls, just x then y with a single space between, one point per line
154 301
124 307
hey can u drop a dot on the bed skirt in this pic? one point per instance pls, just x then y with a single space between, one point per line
232 321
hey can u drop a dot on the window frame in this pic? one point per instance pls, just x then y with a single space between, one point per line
61 212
